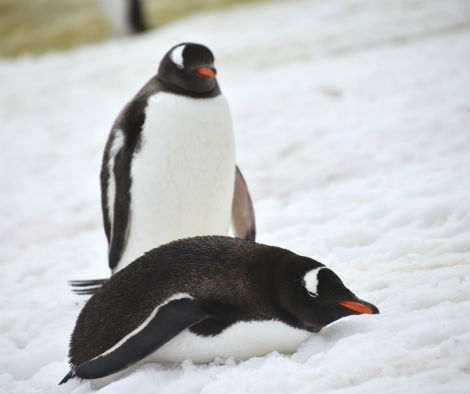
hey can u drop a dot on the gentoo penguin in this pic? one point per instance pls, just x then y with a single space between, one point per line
206 297
169 167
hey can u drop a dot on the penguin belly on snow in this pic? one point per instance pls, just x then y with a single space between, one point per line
206 297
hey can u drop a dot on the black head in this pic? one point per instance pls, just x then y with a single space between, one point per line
317 297
188 68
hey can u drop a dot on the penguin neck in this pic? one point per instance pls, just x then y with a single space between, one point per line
168 87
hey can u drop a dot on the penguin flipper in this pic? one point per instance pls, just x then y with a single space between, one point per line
120 216
164 323
70 375
115 184
243 214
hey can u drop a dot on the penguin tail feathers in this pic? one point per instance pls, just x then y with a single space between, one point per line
86 287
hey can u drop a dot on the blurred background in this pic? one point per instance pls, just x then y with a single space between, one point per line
37 26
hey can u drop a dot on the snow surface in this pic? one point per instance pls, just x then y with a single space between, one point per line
351 122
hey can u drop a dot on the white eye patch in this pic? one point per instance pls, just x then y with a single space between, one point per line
311 281
176 56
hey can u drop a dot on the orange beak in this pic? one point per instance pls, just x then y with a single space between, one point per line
206 71
357 307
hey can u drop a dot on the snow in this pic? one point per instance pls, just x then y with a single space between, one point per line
351 122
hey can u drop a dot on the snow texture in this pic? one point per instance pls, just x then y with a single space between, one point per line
352 131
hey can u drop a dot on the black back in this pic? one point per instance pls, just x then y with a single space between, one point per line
231 278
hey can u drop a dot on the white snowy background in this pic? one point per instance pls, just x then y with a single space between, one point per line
352 130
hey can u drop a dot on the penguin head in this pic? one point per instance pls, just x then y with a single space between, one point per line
318 297
189 67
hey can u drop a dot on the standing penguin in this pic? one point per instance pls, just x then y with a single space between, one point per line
169 167
207 297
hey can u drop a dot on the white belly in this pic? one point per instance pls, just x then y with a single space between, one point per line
240 341
183 174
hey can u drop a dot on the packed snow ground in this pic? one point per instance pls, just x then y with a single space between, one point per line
352 130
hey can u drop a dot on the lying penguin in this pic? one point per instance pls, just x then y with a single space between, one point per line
205 297
169 169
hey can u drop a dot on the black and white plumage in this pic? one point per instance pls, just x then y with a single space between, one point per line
169 164
168 168
206 297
